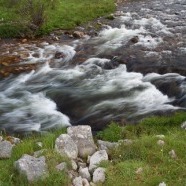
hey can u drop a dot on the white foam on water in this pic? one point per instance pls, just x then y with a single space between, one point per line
113 38
149 41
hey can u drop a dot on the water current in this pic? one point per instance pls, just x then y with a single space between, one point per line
135 67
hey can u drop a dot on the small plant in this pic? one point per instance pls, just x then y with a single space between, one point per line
112 133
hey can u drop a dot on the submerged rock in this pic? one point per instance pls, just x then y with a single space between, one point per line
33 168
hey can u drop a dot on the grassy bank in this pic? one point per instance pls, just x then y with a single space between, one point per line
66 15
154 161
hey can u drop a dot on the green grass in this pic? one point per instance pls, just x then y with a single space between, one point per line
9 176
67 15
155 160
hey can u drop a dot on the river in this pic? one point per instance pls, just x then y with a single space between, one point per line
135 67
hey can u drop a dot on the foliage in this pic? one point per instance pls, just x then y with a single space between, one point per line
42 16
112 133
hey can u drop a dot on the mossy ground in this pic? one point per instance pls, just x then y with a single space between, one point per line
67 15
156 163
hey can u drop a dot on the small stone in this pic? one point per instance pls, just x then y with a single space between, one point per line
173 154
85 182
183 125
39 153
5 149
74 165
66 146
72 174
33 168
78 34
139 170
82 164
161 143
84 173
135 39
78 181
59 55
96 158
161 136
106 145
24 41
39 144
99 175
162 184
126 141
62 166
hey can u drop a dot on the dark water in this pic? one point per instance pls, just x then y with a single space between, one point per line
135 67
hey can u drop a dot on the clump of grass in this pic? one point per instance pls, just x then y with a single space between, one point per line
112 133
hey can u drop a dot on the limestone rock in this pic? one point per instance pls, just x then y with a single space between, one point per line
173 154
33 168
161 143
62 166
106 145
162 184
99 175
5 149
160 136
66 146
84 173
183 125
85 182
96 158
82 136
74 165
78 181
82 164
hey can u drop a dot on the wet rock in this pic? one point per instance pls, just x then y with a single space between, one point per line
161 143
99 175
96 158
173 154
135 39
82 136
74 165
62 166
59 55
33 168
106 145
1 138
78 34
66 146
84 173
5 149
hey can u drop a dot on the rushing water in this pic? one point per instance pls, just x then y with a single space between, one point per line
97 80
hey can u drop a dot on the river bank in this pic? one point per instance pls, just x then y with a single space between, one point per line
151 153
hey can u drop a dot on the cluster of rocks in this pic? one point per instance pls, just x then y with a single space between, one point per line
78 145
